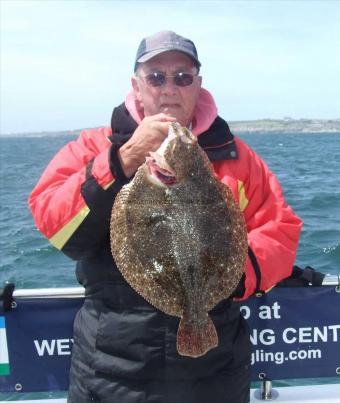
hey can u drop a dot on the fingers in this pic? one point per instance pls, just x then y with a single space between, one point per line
148 136
159 122
162 127
154 128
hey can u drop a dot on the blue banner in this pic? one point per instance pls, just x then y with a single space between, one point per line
39 341
294 334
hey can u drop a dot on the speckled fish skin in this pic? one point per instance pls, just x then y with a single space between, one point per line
183 246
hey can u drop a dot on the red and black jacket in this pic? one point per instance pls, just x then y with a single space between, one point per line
125 349
72 201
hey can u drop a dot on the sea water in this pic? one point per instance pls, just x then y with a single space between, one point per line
307 166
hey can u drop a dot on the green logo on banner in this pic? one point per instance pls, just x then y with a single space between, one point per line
4 361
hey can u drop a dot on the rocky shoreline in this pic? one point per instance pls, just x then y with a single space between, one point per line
286 125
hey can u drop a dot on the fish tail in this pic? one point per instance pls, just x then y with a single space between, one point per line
195 339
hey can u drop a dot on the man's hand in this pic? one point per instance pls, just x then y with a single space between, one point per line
148 136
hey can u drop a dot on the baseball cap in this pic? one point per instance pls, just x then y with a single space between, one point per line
165 41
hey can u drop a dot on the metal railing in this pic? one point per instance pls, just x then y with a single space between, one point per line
79 292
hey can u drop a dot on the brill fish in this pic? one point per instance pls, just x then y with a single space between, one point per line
179 238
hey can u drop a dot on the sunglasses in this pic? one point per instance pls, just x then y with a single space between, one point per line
180 79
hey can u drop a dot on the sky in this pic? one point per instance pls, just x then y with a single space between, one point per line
65 64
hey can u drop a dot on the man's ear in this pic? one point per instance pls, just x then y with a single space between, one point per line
136 89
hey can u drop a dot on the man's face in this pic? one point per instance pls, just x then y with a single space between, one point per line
171 99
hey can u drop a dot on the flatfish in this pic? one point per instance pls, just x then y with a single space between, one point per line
179 238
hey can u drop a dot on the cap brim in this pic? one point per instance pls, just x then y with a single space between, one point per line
157 52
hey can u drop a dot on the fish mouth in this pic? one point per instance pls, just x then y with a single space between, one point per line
159 171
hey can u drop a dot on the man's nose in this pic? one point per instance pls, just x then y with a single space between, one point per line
169 86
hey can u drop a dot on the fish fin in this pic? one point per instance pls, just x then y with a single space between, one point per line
196 339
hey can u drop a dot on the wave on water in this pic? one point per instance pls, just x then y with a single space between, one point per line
334 252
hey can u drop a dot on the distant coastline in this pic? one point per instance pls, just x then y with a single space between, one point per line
285 125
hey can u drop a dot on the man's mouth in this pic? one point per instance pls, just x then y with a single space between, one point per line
170 106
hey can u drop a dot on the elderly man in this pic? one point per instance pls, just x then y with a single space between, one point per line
124 349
